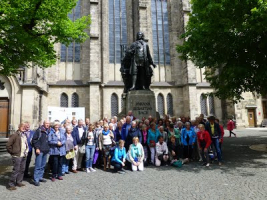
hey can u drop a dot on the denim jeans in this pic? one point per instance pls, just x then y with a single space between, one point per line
40 162
57 165
117 166
215 144
65 165
89 153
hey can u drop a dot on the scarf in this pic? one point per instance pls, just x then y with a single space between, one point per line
144 137
105 132
138 153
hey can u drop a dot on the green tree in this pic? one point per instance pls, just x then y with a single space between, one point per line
30 28
230 38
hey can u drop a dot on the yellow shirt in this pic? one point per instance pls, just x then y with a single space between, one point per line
212 128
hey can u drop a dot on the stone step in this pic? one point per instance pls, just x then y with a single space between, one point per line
3 142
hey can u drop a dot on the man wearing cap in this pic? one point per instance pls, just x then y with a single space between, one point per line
215 133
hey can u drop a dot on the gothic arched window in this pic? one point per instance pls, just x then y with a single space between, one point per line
64 102
114 105
160 101
72 53
211 105
117 29
160 30
169 104
203 104
74 100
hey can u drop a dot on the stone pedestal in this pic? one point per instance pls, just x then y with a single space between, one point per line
142 103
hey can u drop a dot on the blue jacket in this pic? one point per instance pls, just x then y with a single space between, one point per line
53 140
153 136
131 134
117 135
192 136
76 138
119 155
124 131
29 135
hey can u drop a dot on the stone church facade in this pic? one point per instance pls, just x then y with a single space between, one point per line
87 75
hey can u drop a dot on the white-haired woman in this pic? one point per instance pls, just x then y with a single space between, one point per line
136 155
56 141
69 147
105 143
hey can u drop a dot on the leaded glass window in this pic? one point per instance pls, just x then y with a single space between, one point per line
117 29
72 53
74 100
169 104
203 105
160 29
160 101
64 102
211 105
114 105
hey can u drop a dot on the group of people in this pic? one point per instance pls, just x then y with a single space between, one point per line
128 143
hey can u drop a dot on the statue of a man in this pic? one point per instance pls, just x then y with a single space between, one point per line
141 60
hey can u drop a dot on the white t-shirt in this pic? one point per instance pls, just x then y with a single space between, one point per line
91 140
81 130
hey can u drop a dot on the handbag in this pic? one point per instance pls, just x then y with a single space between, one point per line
70 154
82 149
95 156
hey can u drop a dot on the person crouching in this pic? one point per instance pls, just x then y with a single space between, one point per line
161 152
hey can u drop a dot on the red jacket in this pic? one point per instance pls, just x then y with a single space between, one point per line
204 136
222 133
230 125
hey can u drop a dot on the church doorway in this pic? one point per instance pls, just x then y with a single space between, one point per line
4 116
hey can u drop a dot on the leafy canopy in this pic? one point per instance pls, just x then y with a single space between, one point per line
230 38
30 28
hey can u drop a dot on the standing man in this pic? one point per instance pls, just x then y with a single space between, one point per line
29 134
215 133
77 134
87 122
74 123
17 146
41 146
125 128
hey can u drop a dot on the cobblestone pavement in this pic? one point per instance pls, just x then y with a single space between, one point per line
243 175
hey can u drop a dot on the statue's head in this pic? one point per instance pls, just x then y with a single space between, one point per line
140 36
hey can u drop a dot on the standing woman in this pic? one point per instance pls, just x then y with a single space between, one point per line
144 142
204 141
69 147
230 127
89 138
56 141
152 139
105 143
188 139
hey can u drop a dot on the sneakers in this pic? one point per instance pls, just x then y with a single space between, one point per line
11 188
92 170
121 172
88 170
53 179
220 163
207 165
75 171
60 178
66 172
20 184
204 164
43 180
36 183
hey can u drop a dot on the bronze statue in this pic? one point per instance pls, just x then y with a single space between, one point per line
135 68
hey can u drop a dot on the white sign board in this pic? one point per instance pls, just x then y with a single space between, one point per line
61 114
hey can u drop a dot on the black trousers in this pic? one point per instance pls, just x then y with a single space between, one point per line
18 170
57 165
188 150
117 166
28 161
